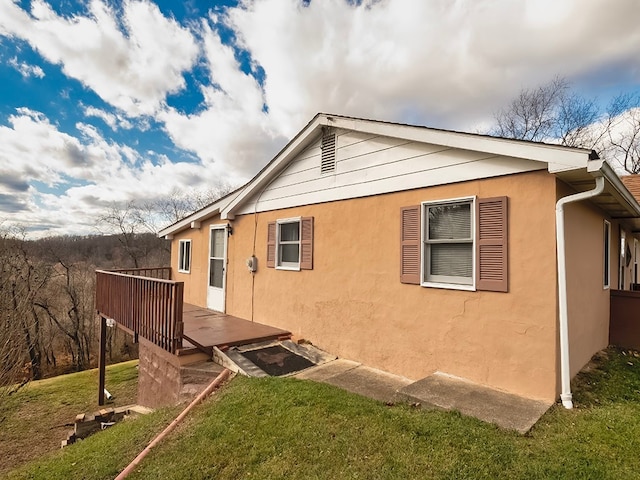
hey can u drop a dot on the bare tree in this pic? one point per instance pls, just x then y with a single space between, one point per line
11 351
23 280
533 114
124 222
624 136
136 223
555 113
181 203
72 310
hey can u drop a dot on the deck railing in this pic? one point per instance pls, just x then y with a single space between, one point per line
163 273
143 302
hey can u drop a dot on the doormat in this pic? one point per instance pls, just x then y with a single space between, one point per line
277 360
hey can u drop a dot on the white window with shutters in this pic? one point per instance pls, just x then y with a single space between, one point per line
448 242
288 244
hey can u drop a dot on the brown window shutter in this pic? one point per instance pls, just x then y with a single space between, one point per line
271 244
410 245
491 244
306 243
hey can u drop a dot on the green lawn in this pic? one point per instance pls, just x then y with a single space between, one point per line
32 420
286 428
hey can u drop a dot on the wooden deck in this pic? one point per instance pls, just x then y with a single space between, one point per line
205 329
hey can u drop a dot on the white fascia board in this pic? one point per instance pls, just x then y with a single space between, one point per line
187 221
194 220
551 154
280 161
557 157
624 194
197 217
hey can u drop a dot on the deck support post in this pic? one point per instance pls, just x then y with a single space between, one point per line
102 359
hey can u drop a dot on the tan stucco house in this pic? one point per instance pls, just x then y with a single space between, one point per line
416 250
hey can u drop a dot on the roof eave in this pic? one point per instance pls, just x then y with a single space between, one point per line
557 157
192 220
275 166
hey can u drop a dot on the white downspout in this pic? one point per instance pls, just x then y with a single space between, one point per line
565 372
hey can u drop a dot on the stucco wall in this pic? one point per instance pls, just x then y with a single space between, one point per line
196 281
587 299
352 303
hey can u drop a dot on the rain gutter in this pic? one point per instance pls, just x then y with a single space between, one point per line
565 368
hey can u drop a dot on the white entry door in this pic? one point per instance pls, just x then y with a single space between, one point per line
217 267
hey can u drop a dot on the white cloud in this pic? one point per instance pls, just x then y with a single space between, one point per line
438 63
114 121
25 69
131 64
447 63
233 133
90 171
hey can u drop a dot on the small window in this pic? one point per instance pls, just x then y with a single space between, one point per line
288 244
184 256
607 254
448 242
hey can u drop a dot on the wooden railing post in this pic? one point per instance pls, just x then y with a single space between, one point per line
102 360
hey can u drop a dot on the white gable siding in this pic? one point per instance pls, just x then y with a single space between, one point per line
370 165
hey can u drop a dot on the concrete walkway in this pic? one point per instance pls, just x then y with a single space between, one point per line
355 377
435 391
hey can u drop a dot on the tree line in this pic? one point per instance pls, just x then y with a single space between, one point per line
47 293
48 322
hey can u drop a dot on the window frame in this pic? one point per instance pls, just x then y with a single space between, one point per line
181 256
279 264
635 261
606 258
444 281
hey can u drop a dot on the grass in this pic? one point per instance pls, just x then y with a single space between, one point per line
32 420
285 428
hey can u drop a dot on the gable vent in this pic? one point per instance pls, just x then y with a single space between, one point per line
328 147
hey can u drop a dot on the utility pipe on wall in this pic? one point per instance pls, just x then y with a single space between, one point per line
207 391
565 367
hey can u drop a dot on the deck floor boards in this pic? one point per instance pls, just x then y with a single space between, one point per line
214 329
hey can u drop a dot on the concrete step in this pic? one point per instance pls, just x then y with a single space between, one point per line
357 378
452 393
200 372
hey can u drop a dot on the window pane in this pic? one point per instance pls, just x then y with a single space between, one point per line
449 221
217 243
606 254
289 253
452 259
290 232
216 268
187 255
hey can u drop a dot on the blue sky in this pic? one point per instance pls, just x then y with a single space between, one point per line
104 102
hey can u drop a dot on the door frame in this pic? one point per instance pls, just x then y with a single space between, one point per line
224 267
